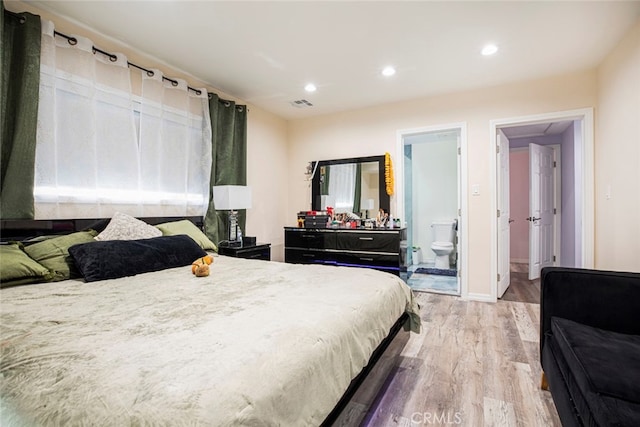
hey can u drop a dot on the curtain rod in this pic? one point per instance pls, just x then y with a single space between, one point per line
113 58
73 41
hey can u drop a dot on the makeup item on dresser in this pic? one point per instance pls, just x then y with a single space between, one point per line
316 219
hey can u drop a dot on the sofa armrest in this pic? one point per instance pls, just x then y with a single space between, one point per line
602 299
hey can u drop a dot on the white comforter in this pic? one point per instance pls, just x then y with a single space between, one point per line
256 343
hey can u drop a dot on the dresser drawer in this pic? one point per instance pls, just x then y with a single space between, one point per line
263 254
260 251
364 259
375 242
379 249
301 256
309 239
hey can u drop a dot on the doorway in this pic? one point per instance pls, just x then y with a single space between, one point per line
557 229
537 204
430 201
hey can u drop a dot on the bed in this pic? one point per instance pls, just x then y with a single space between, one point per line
254 343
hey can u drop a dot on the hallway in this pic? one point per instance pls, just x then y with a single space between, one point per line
521 288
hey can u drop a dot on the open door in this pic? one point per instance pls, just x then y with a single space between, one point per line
541 209
503 213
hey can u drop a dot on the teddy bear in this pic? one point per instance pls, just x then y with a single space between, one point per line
200 267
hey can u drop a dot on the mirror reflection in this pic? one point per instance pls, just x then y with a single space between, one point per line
351 186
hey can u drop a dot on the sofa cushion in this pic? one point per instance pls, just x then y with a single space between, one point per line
605 367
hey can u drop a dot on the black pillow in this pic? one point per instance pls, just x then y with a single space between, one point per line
112 259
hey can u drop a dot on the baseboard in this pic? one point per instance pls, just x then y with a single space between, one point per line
479 297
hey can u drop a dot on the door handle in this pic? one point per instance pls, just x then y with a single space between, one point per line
511 220
532 218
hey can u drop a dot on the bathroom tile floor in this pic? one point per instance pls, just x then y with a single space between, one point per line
430 282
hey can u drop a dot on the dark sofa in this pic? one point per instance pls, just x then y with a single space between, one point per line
590 345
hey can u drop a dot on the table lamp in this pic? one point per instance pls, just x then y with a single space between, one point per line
367 205
232 198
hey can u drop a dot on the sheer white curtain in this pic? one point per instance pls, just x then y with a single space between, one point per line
175 147
342 186
92 158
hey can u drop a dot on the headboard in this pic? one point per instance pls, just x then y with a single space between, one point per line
21 229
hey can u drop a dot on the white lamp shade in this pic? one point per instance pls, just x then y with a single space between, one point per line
367 204
231 197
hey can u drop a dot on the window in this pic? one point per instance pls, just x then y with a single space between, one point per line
102 149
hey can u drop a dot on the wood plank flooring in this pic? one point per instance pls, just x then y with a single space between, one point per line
521 288
474 364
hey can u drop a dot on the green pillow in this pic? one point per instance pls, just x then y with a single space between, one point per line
54 253
16 268
189 228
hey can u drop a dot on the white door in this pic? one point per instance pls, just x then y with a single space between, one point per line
541 198
503 213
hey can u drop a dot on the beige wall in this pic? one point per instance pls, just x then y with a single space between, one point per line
267 175
617 158
373 131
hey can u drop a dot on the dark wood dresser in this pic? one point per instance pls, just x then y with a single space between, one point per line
380 248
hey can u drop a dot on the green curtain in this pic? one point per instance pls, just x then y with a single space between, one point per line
358 190
325 172
229 160
20 80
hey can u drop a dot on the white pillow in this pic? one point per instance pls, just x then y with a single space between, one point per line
126 227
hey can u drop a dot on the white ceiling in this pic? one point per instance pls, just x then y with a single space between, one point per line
264 52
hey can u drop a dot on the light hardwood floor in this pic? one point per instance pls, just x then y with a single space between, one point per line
474 364
521 288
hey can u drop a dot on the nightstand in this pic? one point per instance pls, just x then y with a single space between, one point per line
258 251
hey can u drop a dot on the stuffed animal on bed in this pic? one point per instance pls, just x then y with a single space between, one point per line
200 267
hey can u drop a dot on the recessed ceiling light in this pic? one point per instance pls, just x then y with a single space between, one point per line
489 49
388 71
310 87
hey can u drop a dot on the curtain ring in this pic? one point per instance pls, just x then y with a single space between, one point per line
210 95
227 104
198 92
150 73
23 19
73 41
113 58
239 108
174 83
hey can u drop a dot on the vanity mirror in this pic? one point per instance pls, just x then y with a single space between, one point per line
350 185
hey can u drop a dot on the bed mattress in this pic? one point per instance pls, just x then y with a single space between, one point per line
255 343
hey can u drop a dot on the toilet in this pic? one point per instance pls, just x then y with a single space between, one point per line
442 246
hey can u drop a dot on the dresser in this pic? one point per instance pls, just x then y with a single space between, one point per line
382 249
